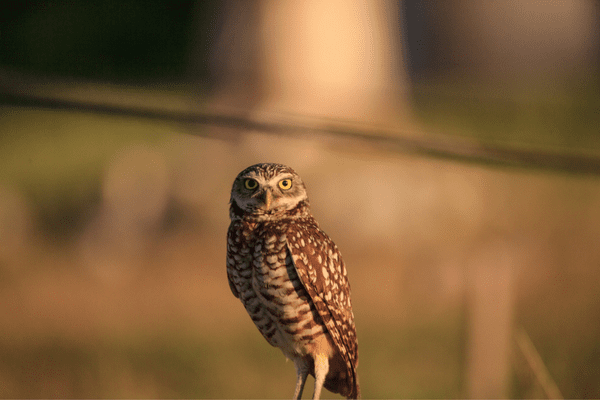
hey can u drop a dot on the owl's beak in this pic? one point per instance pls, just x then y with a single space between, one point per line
268 199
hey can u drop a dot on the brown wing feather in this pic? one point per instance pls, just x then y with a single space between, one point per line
321 269
232 246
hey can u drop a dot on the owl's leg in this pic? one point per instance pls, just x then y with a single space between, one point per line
321 369
302 369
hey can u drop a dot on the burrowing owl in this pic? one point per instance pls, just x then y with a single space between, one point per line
291 278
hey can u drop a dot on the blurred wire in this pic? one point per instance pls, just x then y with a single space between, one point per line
454 148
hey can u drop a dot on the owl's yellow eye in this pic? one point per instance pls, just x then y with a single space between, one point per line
250 184
285 184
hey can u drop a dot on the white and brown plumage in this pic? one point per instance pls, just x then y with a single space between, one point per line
291 278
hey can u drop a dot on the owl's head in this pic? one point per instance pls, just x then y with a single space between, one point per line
267 189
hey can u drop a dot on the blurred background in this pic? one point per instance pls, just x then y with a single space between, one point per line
471 278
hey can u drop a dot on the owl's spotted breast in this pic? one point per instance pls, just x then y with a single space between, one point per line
265 279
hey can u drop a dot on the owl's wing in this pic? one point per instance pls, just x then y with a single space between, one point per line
232 252
321 269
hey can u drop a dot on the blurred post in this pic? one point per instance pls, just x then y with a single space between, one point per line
490 278
334 59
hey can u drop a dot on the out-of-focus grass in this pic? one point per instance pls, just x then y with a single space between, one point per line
57 158
563 118
42 147
419 361
48 152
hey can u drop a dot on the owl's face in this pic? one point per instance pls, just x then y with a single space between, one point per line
267 189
